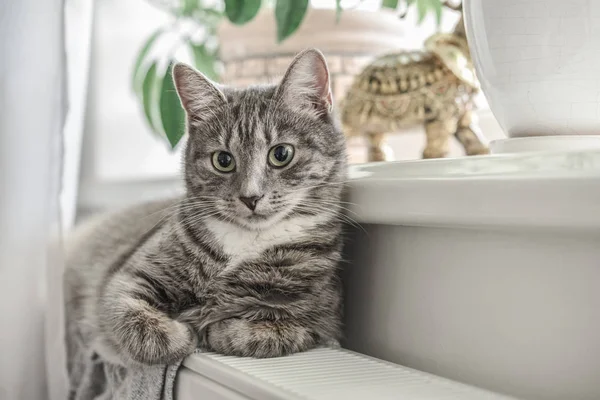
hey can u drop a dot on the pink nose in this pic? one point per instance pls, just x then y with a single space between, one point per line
250 202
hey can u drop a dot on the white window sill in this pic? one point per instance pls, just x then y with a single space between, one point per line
554 190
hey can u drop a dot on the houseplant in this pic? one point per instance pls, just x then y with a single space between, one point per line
194 30
538 67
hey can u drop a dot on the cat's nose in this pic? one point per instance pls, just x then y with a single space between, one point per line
250 202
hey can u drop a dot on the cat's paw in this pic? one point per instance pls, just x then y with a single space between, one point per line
260 339
149 337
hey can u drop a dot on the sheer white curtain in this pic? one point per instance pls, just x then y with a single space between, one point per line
32 114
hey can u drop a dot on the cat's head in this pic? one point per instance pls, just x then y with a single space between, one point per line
259 155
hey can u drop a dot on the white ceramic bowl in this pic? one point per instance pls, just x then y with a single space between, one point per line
545 143
538 63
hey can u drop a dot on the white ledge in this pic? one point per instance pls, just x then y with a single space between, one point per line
543 190
320 374
551 190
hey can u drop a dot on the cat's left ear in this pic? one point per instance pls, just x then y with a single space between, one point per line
196 92
305 85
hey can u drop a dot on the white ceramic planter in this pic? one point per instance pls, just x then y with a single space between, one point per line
252 55
357 31
538 63
545 143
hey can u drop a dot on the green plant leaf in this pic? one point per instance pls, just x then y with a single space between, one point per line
422 6
436 7
149 96
212 12
289 15
426 6
136 79
338 10
171 112
204 60
208 16
189 6
241 11
393 4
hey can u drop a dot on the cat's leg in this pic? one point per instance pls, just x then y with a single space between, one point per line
469 135
264 331
138 330
279 308
260 338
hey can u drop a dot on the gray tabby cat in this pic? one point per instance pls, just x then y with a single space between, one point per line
246 262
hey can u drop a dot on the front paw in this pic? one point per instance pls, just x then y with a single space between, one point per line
260 339
149 338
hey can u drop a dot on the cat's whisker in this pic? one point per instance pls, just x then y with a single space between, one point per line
182 205
335 204
331 204
168 208
328 211
195 218
167 215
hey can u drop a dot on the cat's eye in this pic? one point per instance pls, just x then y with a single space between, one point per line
223 161
281 155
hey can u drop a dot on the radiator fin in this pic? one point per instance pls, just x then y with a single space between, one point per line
335 374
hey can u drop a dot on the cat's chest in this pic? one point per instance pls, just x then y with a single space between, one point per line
242 245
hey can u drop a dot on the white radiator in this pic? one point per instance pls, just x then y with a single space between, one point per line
322 374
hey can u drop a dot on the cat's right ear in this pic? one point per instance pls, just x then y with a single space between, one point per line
196 92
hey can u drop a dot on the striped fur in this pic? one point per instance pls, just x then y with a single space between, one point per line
151 283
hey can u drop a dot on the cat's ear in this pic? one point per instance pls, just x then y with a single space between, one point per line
196 92
305 85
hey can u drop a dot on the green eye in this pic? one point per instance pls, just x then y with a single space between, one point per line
223 161
281 155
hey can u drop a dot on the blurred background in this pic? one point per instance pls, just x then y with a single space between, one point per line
120 149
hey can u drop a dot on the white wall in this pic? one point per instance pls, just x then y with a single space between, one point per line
32 110
118 144
78 37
